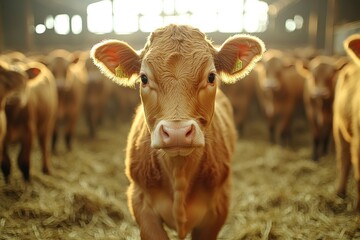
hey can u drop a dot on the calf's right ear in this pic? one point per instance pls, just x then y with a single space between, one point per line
117 60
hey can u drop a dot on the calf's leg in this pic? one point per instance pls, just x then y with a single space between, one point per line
24 156
343 159
6 164
355 158
149 223
44 139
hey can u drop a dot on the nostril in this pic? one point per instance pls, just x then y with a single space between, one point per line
190 131
163 132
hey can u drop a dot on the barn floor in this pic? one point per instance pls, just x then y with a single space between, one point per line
278 193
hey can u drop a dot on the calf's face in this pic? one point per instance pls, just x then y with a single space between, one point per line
179 72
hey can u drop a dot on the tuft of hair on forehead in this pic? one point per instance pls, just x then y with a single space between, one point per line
177 37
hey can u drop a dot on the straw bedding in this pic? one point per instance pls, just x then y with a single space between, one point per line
278 193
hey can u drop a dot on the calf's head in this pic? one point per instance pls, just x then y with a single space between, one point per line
179 71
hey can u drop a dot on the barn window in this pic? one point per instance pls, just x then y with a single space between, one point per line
169 7
255 16
125 21
62 24
229 19
150 22
150 15
40 28
49 22
226 16
100 17
206 20
126 17
295 23
76 24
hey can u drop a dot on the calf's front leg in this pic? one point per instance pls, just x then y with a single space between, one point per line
150 224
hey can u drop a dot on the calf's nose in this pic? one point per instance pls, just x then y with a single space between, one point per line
173 135
177 134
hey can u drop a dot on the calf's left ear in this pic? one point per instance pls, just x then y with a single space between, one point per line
237 57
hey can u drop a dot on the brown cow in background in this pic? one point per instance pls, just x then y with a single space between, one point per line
319 93
280 93
30 112
10 81
183 135
97 96
70 76
123 102
243 96
346 126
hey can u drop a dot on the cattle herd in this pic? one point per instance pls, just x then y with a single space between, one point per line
183 134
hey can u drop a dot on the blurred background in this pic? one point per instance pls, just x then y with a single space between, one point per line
33 25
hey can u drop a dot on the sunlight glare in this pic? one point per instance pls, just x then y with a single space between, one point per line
49 22
76 24
40 28
229 19
169 7
256 16
99 17
126 18
150 22
153 7
61 24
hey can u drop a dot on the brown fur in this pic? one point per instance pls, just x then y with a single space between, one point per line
97 96
346 126
31 112
190 192
242 97
70 76
319 93
10 81
280 92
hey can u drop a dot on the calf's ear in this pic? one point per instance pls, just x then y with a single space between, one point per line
117 60
33 72
237 57
352 47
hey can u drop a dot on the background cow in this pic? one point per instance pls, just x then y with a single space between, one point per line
70 76
30 112
243 97
319 92
346 127
183 136
10 81
97 96
280 93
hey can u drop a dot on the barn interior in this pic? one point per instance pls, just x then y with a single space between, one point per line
278 191
33 25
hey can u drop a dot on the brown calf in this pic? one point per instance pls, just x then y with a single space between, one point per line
346 126
70 76
10 81
97 95
183 136
280 92
319 93
31 112
242 96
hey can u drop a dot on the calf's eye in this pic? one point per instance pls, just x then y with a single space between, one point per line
144 79
211 78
